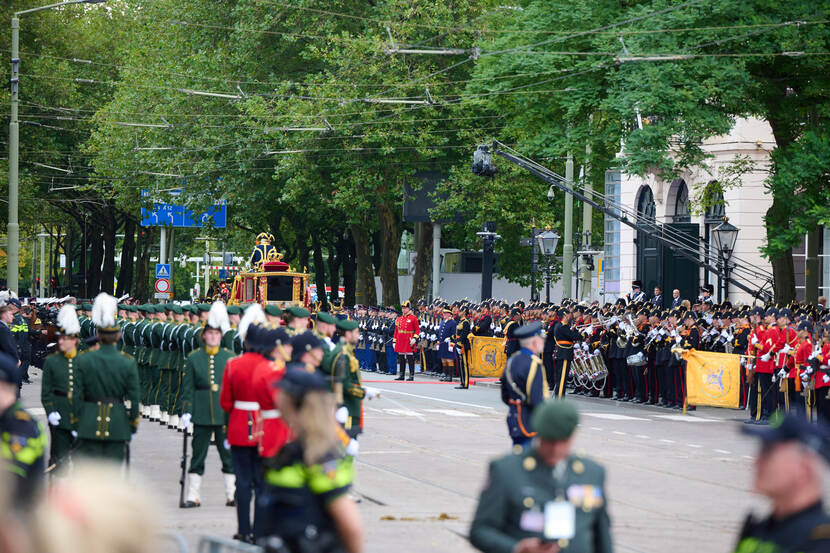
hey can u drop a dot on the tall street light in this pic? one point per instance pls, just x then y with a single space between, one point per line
548 241
12 266
724 237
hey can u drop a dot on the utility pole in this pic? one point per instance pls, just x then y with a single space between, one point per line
488 237
12 262
42 236
163 246
436 259
568 247
587 224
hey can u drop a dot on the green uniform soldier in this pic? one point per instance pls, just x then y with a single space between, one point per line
543 498
176 364
106 393
87 328
58 387
297 320
203 372
141 354
348 388
231 339
152 341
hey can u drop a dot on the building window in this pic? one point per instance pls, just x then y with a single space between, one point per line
715 212
681 204
824 262
611 260
646 207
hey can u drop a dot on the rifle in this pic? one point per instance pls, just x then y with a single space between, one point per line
183 477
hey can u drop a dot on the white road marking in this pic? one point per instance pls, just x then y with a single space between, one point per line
614 417
405 412
451 413
694 445
684 418
643 437
618 433
440 400
665 441
748 457
383 452
36 411
723 451
596 428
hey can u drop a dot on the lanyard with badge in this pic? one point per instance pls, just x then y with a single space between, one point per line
560 514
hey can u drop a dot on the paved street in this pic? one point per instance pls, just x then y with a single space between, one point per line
674 480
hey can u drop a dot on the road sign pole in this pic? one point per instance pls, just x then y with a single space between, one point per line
207 265
568 248
163 246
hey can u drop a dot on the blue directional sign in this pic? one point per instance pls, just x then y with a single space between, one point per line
162 270
169 215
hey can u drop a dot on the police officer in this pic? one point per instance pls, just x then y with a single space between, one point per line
58 387
523 384
22 441
789 472
107 390
203 372
543 498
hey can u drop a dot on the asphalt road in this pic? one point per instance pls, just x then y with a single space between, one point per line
675 481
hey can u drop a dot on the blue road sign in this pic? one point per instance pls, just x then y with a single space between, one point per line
162 270
170 215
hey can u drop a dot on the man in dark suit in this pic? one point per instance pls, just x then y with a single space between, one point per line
676 300
657 300
7 342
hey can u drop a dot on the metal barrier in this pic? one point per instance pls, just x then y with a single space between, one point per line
213 544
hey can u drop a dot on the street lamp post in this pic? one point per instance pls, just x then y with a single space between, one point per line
548 241
13 250
724 236
488 238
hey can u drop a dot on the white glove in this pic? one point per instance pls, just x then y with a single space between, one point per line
227 445
74 433
663 332
786 348
353 448
433 337
673 334
372 393
341 415
782 374
825 378
412 342
725 334
186 419
754 340
596 352
677 340
814 354
765 357
805 377
54 418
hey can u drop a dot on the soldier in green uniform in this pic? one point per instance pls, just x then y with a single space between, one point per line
273 315
58 386
348 389
141 355
152 336
544 499
297 320
87 328
203 372
106 394
231 339
176 364
22 442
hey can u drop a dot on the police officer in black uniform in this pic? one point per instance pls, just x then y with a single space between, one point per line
789 472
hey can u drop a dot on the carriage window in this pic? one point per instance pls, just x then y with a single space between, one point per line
280 288
249 290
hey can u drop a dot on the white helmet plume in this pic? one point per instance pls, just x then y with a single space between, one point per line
253 315
68 321
218 317
104 310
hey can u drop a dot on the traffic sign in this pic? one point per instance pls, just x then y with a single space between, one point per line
160 296
171 215
162 285
162 270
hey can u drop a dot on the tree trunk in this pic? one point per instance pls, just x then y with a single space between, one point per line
96 253
302 252
54 264
390 245
778 217
319 272
69 252
365 292
125 274
108 270
423 262
142 277
812 267
346 249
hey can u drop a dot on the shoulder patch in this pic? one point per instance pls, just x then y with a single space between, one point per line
821 532
22 415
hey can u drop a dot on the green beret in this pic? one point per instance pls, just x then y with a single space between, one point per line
203 307
327 318
122 307
177 309
299 312
273 310
556 419
346 324
234 310
86 306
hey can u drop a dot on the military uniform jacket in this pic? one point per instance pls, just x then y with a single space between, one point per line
238 398
524 387
347 368
107 379
565 338
202 378
512 504
58 386
804 532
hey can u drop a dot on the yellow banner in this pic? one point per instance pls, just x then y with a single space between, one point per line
713 378
486 356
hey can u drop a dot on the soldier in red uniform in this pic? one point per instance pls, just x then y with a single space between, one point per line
273 430
784 343
406 329
238 398
820 363
802 365
761 341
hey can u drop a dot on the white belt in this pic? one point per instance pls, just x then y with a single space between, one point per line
270 414
246 405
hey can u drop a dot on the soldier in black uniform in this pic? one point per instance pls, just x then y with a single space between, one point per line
511 344
789 472
565 337
523 384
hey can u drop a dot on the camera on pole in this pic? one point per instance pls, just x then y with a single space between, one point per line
483 162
